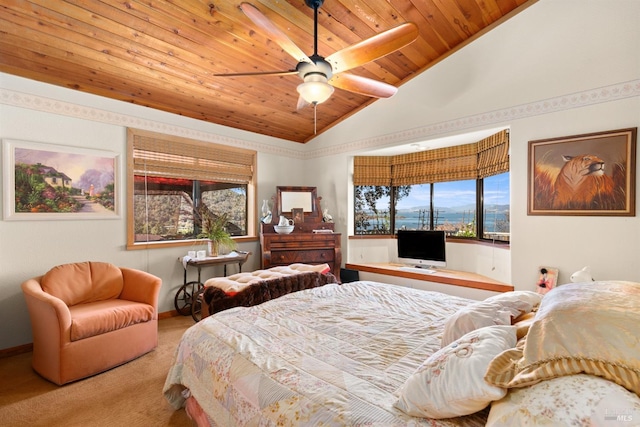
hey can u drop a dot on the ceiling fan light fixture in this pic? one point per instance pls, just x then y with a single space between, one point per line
315 89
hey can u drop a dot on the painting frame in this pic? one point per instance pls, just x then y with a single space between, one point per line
60 202
297 214
583 175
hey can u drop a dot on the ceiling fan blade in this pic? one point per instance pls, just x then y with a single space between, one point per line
363 85
274 32
259 73
373 48
301 103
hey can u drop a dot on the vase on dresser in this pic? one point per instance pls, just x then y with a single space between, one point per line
266 216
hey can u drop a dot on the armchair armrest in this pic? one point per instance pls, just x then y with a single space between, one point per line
140 286
50 316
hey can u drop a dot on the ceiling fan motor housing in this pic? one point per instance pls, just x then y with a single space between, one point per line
314 4
319 67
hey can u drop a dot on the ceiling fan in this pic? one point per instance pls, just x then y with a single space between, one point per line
320 74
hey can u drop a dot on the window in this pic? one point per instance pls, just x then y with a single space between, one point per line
175 181
496 207
463 190
455 208
413 207
372 207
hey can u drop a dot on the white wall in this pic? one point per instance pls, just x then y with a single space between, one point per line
558 68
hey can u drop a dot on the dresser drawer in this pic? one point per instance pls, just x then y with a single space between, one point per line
305 257
303 248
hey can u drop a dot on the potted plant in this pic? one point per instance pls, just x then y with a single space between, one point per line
215 229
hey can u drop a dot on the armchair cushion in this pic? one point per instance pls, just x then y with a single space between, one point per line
83 282
100 317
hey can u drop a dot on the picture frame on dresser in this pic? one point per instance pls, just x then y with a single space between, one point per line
297 214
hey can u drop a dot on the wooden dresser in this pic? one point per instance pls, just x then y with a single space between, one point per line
301 246
301 204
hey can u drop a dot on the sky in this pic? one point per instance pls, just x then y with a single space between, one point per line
459 193
71 164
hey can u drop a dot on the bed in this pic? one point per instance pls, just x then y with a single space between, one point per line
367 353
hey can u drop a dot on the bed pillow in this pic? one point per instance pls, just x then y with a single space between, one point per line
591 328
450 383
523 323
566 401
499 309
523 301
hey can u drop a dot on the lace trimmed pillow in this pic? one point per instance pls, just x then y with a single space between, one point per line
574 400
591 328
450 382
499 309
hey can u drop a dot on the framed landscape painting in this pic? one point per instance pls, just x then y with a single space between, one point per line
46 181
590 174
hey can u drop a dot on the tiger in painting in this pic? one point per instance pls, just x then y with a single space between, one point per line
583 184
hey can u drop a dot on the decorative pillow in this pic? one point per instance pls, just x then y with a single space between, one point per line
523 323
591 328
523 301
450 383
574 400
320 268
499 309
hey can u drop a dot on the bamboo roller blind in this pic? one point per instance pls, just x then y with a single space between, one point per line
162 155
493 154
372 170
481 159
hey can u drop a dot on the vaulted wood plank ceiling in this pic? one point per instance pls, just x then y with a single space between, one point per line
164 54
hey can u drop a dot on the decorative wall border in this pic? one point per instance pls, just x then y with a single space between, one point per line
581 99
48 105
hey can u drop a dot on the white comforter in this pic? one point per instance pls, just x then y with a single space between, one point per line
330 356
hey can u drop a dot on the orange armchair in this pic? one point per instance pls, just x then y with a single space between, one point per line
89 317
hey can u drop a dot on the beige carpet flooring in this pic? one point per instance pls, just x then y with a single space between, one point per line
129 395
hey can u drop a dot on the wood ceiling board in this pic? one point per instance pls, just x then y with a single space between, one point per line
163 54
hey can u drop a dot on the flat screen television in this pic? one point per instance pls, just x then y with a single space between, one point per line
422 248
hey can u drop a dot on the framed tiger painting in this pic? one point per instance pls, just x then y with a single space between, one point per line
590 174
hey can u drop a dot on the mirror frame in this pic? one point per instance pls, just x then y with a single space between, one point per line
312 215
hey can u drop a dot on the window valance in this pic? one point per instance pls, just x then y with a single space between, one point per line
489 156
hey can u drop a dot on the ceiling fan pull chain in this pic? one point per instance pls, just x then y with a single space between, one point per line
315 107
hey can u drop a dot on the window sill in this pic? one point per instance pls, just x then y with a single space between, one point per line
448 277
450 239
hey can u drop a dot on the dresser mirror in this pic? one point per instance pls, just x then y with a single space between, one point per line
288 198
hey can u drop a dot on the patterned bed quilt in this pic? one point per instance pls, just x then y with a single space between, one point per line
333 356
